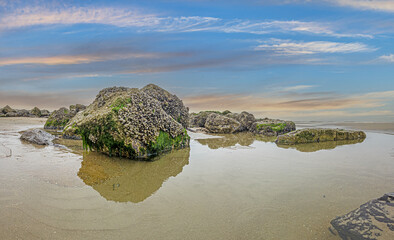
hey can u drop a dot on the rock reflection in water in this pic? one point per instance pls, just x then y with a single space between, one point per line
124 180
314 147
229 140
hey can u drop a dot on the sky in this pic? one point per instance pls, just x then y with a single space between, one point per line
290 59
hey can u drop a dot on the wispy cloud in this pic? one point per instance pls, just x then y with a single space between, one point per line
73 59
145 22
387 58
288 47
297 88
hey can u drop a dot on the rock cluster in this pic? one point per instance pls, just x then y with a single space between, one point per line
37 136
7 111
59 118
131 122
227 122
372 220
313 135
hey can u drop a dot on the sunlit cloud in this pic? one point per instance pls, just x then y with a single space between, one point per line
288 47
76 59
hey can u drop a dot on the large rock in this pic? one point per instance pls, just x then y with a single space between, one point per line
36 112
217 123
38 136
74 109
244 118
129 122
272 127
372 220
45 113
7 109
60 118
310 135
24 113
198 119
170 103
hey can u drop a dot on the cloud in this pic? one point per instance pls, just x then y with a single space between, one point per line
288 47
378 5
75 59
387 58
145 22
284 105
297 88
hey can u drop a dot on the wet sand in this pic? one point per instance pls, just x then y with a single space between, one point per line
233 187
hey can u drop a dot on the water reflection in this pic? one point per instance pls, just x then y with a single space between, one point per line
123 180
313 147
229 140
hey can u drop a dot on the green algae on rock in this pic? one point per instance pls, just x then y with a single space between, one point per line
272 127
309 135
59 118
128 122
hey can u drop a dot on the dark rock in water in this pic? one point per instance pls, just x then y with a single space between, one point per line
373 220
38 136
128 122
59 118
170 103
217 123
310 135
272 127
36 112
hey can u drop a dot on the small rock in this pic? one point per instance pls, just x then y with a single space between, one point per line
38 136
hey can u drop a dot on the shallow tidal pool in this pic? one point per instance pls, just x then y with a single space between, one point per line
232 187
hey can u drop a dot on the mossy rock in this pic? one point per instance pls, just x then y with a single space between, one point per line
127 122
313 135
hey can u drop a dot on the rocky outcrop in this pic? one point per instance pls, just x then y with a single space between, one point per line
36 112
74 109
317 146
59 118
372 220
227 122
45 113
7 111
311 135
170 103
244 118
129 122
217 123
272 127
198 119
38 136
